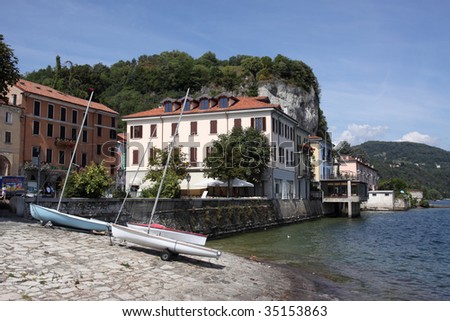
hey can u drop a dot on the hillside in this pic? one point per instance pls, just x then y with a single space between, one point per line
420 165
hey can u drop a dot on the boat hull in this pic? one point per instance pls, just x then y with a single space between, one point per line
161 243
159 230
45 214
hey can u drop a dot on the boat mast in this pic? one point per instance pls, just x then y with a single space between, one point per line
171 147
153 134
75 150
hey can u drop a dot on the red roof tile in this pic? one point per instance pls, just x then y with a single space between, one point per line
242 103
49 92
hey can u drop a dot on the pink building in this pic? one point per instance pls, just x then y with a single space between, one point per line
354 168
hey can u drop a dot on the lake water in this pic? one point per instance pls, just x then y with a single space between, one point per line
380 256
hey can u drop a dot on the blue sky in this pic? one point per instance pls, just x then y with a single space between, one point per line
383 65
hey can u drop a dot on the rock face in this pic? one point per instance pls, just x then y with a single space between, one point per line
295 101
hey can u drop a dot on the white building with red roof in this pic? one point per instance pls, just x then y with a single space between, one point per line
203 120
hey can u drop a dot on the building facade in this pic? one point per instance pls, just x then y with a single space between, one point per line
322 159
204 119
10 138
51 123
353 168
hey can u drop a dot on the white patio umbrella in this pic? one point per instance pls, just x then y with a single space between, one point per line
236 182
207 182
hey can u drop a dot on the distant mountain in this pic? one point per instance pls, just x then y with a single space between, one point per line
421 166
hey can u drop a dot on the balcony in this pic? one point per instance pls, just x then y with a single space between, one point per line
65 142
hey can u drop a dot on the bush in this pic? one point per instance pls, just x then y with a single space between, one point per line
91 182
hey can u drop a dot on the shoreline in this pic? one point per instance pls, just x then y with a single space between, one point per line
40 263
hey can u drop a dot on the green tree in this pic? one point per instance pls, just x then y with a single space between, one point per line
91 182
243 153
9 73
396 184
176 171
252 65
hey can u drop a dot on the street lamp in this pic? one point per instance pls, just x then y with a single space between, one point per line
120 174
188 179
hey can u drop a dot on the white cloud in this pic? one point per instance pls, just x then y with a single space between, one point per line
417 137
356 134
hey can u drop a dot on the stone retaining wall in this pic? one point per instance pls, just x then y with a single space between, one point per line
216 216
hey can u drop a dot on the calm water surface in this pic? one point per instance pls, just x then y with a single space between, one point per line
380 256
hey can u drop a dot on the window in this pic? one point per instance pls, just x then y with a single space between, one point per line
135 157
99 149
208 150
63 114
73 158
83 160
99 131
50 130
112 134
99 119
86 120
274 125
62 132
281 155
85 136
50 111
193 128
223 102
193 156
213 127
111 170
37 108
259 123
152 153
174 128
187 105
62 156
35 128
273 151
204 104
7 137
8 118
237 122
113 121
136 131
49 156
153 130
35 151
74 116
168 107
14 99
35 155
74 133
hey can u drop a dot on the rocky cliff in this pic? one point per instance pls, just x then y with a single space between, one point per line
295 101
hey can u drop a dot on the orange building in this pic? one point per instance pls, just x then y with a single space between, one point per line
51 122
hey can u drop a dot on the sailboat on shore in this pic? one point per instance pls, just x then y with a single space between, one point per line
56 217
169 241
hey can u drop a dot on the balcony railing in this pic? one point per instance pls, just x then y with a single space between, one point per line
64 142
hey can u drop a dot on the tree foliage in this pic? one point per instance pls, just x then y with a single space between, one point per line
9 73
91 182
243 153
176 171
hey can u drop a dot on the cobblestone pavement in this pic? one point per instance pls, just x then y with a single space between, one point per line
42 263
